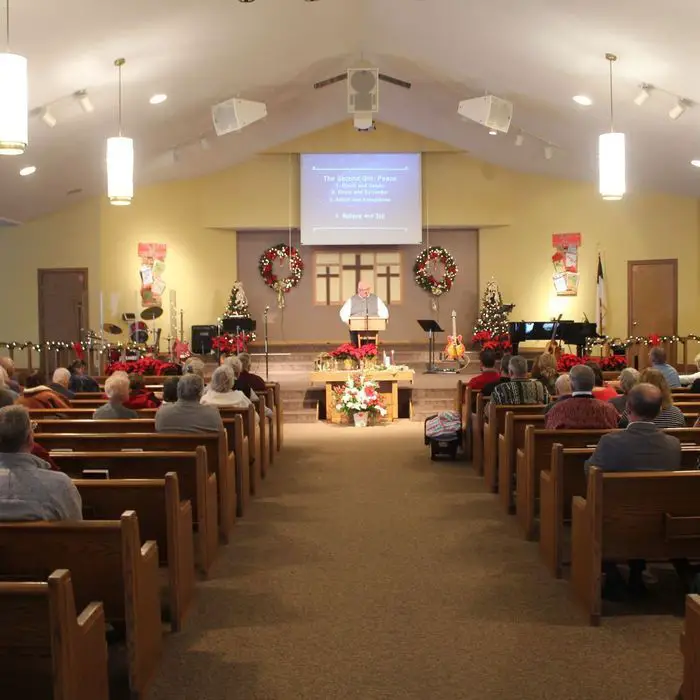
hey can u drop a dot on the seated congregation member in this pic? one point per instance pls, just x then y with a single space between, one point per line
670 416
235 363
562 390
187 414
657 358
139 396
5 384
193 365
220 391
519 389
7 399
629 377
38 395
117 390
29 489
247 378
60 382
8 365
581 410
502 379
601 390
545 369
689 379
489 374
80 381
170 389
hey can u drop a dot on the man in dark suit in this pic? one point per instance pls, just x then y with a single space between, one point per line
640 447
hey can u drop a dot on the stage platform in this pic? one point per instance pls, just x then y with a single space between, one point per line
290 365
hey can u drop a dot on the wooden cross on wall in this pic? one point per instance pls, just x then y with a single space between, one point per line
388 275
359 268
328 276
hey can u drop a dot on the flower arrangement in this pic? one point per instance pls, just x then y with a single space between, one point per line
358 395
423 275
346 351
230 342
486 340
607 364
146 366
613 363
567 360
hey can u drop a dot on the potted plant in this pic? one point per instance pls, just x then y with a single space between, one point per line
346 354
358 398
366 355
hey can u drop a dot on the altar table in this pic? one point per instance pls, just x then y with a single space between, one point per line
388 388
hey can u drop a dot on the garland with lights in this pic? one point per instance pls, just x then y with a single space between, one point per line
653 339
56 345
281 285
423 274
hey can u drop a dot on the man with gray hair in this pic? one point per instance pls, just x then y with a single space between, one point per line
117 390
519 390
187 414
629 377
8 364
246 379
657 357
580 410
29 490
59 383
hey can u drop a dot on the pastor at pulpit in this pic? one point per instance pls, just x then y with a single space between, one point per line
361 305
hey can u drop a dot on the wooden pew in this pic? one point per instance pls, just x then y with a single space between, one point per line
690 648
163 518
46 650
233 424
89 403
271 423
494 425
195 485
512 440
477 432
634 515
467 413
107 562
559 485
256 431
279 411
219 461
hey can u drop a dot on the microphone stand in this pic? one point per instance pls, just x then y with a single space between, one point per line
267 357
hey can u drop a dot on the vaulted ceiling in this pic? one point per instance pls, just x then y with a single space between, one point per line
538 54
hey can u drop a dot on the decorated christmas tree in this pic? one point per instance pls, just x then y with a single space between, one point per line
237 302
237 307
491 327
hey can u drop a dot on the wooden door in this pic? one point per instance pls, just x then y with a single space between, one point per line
652 292
63 307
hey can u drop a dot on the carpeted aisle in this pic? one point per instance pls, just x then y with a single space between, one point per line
364 571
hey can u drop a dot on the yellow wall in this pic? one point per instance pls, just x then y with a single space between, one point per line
517 214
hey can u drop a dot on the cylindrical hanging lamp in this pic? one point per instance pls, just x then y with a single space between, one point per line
120 159
14 108
611 154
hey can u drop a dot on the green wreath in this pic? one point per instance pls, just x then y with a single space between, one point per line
425 279
281 252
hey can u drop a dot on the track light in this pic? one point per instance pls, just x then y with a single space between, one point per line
548 152
519 140
644 94
679 108
84 101
48 118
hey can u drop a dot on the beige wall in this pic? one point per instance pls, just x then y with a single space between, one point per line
517 214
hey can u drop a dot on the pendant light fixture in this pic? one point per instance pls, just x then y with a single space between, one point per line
14 127
611 153
120 159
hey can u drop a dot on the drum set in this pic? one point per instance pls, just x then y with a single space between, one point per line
139 333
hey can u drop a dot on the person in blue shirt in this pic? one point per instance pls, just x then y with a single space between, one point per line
657 357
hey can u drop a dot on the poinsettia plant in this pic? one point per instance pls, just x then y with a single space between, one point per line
568 360
365 351
359 395
231 342
487 340
613 363
346 351
607 364
146 365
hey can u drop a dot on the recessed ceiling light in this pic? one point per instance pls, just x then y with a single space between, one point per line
696 163
157 99
582 100
29 170
493 133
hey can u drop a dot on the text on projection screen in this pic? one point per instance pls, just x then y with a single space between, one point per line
361 199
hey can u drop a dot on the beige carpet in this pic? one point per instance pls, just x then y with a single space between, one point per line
364 571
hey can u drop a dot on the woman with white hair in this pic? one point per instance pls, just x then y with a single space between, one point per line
220 391
5 383
193 365
236 364
117 390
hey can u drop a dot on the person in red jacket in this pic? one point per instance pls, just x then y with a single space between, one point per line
139 396
38 395
489 373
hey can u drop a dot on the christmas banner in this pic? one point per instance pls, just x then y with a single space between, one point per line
151 271
565 261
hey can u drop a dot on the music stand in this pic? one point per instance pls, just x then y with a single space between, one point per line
236 324
431 328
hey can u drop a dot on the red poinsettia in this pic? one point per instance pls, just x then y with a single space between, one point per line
568 360
654 339
146 365
230 342
346 351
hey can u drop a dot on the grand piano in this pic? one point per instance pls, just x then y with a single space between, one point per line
569 332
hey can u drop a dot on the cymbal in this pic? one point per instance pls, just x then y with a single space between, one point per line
151 313
112 328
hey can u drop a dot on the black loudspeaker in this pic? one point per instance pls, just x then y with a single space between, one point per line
201 339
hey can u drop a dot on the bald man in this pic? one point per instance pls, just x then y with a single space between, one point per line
360 305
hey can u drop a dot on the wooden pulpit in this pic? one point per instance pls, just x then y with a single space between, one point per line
367 328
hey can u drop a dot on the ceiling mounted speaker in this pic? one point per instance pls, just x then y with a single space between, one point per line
236 114
491 111
363 90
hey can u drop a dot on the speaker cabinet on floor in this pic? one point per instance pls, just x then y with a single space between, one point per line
201 339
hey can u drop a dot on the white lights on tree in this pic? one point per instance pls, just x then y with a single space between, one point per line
14 131
120 170
611 165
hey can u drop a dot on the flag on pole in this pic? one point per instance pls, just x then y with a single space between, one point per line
601 305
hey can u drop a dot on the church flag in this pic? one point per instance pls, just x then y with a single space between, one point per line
601 305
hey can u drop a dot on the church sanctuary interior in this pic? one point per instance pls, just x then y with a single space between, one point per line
349 350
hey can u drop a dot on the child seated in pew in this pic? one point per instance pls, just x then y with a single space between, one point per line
170 389
139 396
29 490
117 390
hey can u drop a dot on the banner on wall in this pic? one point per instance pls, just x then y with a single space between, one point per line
151 271
565 261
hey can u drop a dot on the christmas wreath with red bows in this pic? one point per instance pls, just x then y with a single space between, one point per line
423 270
267 261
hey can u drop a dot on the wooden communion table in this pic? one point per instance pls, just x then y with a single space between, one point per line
388 387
